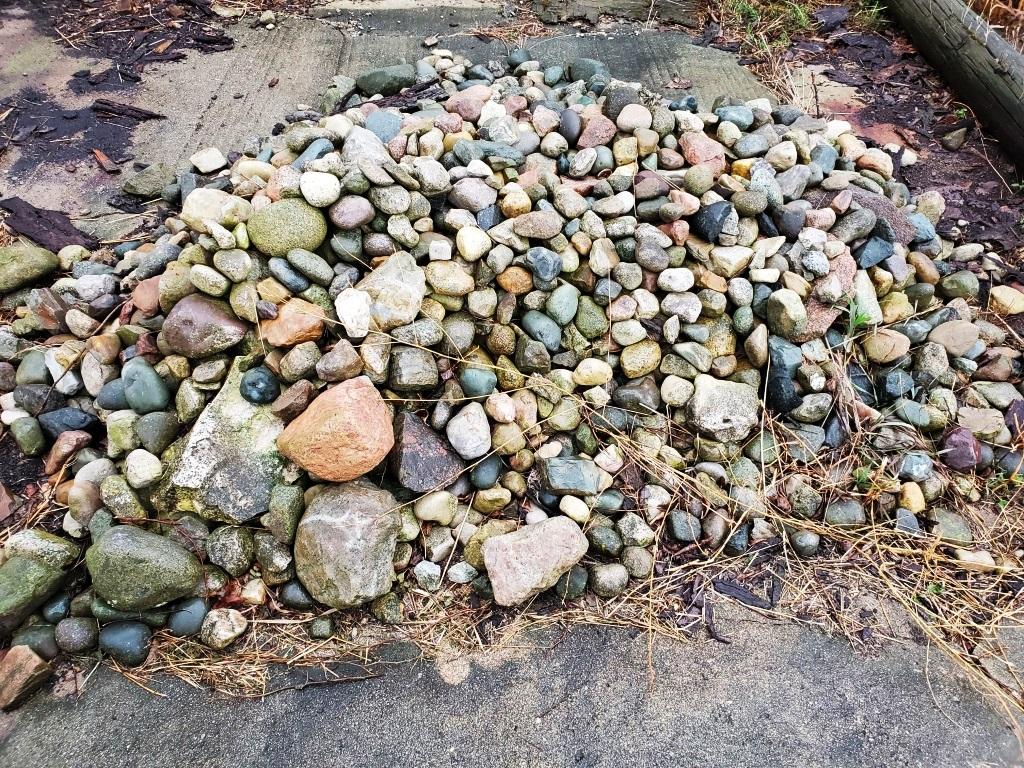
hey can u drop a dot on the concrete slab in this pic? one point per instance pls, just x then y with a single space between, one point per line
778 695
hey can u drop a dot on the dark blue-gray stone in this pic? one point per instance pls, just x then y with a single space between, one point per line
874 251
259 385
289 277
40 638
544 263
57 607
486 473
784 357
295 596
781 395
185 619
916 466
111 396
67 420
126 642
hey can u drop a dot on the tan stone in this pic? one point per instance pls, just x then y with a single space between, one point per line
886 345
343 434
528 561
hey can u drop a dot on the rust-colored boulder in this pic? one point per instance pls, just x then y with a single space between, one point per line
297 321
343 434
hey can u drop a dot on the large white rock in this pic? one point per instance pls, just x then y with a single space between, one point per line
397 288
525 562
723 410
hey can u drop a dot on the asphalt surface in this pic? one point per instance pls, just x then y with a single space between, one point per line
777 695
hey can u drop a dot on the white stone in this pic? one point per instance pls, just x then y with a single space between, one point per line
353 309
469 432
142 468
208 160
320 189
676 280
436 507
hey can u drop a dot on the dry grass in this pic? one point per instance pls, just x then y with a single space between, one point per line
1005 16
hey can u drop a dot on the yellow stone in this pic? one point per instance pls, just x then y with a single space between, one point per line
912 498
1006 300
451 139
896 307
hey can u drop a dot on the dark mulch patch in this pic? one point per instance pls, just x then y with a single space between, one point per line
16 469
44 131
906 102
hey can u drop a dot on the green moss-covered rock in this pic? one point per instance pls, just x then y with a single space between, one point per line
287 224
25 584
21 264
134 570
225 467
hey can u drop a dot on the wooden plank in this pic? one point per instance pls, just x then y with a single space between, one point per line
984 70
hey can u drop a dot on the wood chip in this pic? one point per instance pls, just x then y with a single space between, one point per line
105 162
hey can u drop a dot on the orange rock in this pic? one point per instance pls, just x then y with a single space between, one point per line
516 280
146 296
343 434
297 321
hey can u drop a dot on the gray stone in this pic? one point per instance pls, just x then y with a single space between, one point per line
345 544
225 467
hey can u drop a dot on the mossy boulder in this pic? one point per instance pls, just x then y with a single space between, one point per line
285 225
134 570
22 264
25 584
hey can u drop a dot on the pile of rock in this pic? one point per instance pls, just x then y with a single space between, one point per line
509 337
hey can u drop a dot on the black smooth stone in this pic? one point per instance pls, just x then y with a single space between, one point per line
570 126
186 618
486 473
781 395
40 638
835 430
260 385
709 221
861 383
57 607
295 596
126 642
